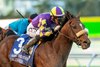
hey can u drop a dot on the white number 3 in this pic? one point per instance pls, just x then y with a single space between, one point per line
17 51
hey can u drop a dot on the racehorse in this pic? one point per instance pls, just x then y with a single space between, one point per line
52 53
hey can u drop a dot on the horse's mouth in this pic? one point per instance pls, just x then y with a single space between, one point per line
85 45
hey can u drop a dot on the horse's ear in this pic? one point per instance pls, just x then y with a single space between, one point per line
78 15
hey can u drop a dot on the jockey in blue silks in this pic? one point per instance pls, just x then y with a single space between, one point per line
19 27
43 26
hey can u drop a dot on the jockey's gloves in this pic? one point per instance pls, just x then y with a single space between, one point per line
57 27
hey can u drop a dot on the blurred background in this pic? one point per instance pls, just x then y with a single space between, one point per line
89 15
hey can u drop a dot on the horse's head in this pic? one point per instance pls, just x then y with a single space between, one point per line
76 31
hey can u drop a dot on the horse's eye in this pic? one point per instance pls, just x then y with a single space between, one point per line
74 26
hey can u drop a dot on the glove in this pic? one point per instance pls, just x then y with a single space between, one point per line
57 28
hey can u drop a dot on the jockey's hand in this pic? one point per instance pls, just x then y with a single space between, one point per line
57 28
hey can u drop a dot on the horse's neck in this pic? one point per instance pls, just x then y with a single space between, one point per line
62 45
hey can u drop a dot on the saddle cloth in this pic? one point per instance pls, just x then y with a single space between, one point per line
16 53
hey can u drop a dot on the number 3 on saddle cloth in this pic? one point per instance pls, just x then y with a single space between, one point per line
18 55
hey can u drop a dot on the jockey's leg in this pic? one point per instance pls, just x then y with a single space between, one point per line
32 32
32 42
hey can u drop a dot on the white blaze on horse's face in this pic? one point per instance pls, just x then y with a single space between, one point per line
83 31
85 28
81 26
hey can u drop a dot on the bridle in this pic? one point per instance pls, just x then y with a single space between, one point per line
77 35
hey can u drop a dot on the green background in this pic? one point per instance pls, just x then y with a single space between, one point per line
93 25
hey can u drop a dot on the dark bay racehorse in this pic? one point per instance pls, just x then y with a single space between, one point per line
53 53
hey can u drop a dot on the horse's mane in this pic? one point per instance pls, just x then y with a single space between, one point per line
68 15
66 18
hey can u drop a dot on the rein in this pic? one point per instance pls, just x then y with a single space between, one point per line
66 36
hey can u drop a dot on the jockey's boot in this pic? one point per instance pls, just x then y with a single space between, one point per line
32 42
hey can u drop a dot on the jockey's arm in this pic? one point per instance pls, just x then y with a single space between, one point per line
44 30
57 28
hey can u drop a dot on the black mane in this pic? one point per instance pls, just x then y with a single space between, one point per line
66 18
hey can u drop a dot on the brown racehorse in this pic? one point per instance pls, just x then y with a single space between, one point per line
53 53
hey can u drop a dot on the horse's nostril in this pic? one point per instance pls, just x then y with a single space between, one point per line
85 42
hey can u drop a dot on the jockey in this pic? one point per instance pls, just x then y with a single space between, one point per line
43 25
19 27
